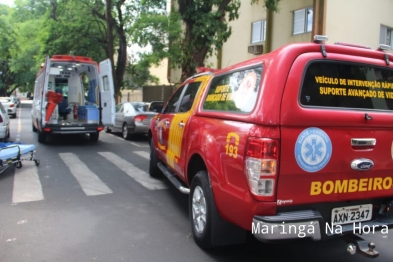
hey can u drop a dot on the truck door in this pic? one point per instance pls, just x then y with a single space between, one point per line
164 126
43 88
107 93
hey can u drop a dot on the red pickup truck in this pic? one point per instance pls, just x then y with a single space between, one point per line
297 143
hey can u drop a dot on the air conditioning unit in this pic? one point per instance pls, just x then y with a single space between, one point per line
255 49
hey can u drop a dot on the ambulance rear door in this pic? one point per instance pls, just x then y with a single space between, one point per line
107 93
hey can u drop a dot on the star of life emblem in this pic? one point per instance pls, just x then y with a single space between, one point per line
313 149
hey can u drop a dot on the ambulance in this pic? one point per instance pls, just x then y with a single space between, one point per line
72 95
293 144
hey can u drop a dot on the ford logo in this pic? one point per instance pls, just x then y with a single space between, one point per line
362 164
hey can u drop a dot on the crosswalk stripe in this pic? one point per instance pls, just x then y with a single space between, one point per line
142 154
89 181
139 175
27 185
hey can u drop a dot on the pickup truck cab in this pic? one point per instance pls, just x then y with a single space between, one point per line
297 143
73 95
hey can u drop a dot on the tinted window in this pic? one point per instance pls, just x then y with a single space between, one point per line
347 85
189 96
236 91
173 101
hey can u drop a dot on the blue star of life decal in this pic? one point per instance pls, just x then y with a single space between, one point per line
313 149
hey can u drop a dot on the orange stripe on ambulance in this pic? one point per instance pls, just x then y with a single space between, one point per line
350 185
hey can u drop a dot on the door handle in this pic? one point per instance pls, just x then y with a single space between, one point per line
181 124
363 142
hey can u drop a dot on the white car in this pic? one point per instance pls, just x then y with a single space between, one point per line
9 105
15 100
4 123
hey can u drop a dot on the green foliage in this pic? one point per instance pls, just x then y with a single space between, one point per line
271 5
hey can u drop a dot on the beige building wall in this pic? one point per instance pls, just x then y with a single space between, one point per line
160 71
283 23
353 21
236 48
357 21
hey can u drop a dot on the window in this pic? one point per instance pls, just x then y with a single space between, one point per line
235 92
172 103
189 96
302 21
347 85
258 31
386 36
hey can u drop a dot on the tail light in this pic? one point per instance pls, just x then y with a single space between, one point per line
140 118
261 167
12 105
1 119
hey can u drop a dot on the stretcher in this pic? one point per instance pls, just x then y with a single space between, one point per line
12 154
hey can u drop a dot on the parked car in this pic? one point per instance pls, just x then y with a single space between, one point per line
156 106
9 105
4 123
15 100
131 118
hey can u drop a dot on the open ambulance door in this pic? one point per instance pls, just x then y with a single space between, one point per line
107 93
43 89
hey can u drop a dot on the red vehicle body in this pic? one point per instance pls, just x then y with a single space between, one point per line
295 143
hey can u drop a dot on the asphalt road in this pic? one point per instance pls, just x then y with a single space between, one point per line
96 202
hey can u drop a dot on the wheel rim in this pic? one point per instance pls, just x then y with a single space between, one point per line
125 131
199 209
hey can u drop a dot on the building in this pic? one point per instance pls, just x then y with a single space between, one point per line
363 22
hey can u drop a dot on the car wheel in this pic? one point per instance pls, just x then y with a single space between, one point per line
8 133
107 130
154 171
41 137
200 206
14 115
94 137
125 133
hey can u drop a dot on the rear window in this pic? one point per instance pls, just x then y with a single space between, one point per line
347 85
235 91
139 107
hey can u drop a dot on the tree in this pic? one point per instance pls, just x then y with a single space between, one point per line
205 29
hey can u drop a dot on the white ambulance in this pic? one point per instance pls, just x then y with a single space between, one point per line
73 95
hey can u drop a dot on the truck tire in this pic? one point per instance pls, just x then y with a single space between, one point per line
107 129
41 137
200 206
94 136
154 171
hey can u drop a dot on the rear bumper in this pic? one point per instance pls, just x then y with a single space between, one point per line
311 224
83 129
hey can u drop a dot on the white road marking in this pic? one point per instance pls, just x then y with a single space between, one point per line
143 154
19 128
89 181
139 175
135 144
27 185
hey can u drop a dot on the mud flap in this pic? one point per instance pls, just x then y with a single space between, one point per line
223 232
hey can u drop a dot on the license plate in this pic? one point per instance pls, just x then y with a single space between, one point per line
351 214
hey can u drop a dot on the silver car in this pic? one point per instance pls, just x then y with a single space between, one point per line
131 118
